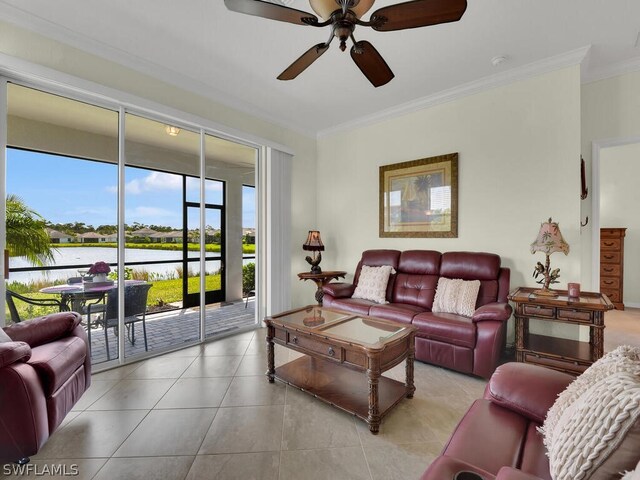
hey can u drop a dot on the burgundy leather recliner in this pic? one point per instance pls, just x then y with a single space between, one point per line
44 371
497 439
470 345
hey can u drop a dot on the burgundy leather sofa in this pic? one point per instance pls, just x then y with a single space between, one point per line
497 437
470 345
43 373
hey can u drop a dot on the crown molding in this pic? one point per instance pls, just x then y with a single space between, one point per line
573 57
56 32
612 70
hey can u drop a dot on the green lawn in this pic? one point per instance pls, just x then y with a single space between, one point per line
163 291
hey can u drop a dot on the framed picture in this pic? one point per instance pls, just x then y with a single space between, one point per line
420 198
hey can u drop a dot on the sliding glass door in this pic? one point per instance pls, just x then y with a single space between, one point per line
107 185
214 255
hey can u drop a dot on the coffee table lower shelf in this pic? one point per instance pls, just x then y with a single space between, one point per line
340 386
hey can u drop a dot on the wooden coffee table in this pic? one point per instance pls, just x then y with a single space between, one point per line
345 355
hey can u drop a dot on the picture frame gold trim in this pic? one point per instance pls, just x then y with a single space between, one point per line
406 199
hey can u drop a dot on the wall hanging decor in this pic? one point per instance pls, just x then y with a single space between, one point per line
420 198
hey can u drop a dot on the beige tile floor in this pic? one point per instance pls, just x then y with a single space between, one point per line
622 327
208 412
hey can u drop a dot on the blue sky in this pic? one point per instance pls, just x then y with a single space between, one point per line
64 190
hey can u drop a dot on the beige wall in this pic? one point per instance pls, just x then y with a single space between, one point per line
619 206
610 110
518 147
34 48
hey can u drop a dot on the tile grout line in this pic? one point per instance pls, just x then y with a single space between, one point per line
366 460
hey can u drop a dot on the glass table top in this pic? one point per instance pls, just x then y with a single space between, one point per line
346 326
362 330
312 317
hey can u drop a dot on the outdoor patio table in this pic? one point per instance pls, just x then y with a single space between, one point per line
74 296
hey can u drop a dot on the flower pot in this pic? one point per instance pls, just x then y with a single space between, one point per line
100 277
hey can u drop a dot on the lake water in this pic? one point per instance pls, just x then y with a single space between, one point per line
90 255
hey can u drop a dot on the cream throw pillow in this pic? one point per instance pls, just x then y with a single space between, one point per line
373 282
4 337
456 296
590 430
622 359
593 429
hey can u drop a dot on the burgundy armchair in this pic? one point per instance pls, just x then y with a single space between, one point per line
44 371
497 438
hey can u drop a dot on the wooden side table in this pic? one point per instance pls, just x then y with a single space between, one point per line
321 279
570 356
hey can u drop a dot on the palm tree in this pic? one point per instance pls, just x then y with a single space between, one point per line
26 233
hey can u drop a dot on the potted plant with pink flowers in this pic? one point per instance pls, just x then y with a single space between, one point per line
99 270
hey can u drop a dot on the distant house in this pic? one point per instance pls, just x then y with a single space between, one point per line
109 238
59 237
249 235
143 232
91 237
167 237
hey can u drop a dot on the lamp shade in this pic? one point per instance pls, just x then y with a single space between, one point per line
325 8
550 239
314 242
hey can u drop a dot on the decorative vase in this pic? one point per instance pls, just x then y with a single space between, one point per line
100 277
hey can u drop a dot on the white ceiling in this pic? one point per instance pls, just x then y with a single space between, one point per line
234 58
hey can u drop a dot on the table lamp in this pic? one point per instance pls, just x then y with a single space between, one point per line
314 244
549 241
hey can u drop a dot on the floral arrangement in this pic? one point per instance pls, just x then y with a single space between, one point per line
99 267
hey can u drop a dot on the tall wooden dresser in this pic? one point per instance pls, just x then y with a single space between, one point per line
612 264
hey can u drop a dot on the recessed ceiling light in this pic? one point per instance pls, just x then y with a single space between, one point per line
173 131
495 61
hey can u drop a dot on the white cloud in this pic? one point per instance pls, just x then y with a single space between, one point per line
154 181
162 181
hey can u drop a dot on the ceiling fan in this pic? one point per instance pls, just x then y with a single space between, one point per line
343 16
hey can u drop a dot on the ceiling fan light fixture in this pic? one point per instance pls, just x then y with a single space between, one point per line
324 8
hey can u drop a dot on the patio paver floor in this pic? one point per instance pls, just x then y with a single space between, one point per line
175 328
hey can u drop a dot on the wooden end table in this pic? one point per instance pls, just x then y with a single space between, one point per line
570 356
345 356
321 279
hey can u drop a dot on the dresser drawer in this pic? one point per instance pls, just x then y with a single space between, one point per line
611 233
614 295
609 257
326 349
575 315
611 283
575 367
539 311
609 270
610 244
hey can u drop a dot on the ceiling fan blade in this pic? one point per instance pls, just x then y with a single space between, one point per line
302 63
371 63
272 11
419 13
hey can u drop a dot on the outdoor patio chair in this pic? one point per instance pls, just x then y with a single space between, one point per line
135 309
250 293
39 302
